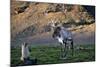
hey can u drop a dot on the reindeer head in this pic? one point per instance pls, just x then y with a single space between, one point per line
55 28
54 24
25 44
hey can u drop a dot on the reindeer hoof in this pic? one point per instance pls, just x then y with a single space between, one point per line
63 58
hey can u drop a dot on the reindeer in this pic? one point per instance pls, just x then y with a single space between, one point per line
25 52
63 36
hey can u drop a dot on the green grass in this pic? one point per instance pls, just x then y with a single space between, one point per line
50 55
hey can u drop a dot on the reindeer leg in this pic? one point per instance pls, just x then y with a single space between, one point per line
61 48
65 50
72 47
62 51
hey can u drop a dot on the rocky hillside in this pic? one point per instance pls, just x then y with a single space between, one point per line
32 18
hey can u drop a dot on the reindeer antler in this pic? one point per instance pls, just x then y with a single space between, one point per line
55 23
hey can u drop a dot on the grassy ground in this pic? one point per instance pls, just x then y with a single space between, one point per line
50 55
